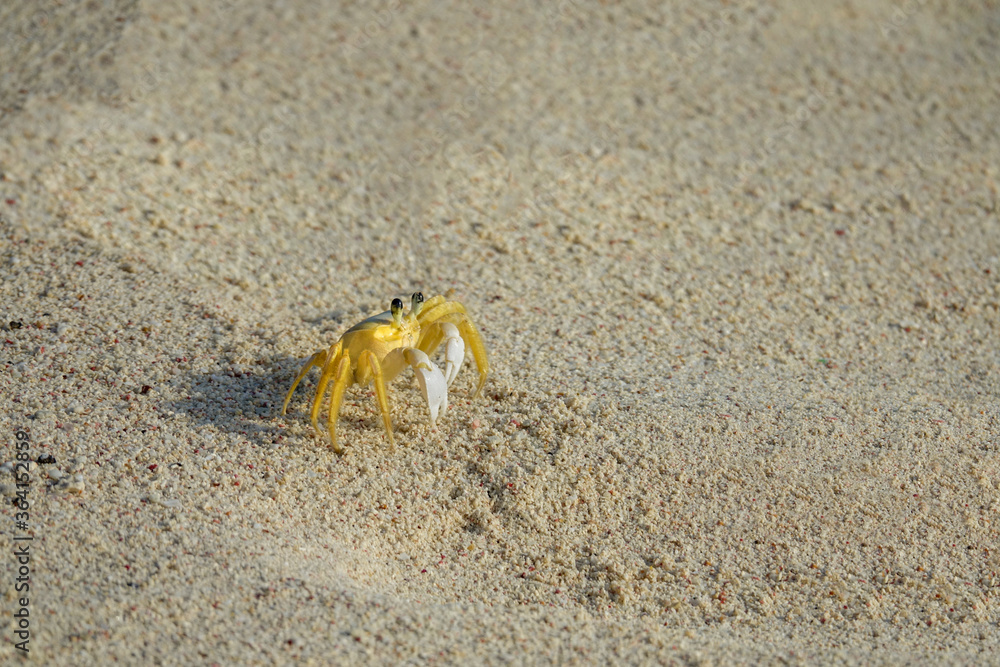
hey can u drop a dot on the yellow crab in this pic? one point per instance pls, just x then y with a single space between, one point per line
380 347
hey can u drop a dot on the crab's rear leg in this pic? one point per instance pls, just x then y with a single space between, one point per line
330 368
319 360
432 303
471 336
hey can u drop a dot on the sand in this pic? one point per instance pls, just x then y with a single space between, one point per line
736 266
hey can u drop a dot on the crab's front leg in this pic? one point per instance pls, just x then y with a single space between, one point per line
454 351
454 347
432 382
342 379
370 368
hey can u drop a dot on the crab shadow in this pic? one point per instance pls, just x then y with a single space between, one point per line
239 398
247 399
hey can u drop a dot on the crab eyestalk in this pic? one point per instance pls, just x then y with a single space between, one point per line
416 303
396 308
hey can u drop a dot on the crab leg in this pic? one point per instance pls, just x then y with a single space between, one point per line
471 336
340 384
435 309
430 303
330 369
454 351
319 360
371 361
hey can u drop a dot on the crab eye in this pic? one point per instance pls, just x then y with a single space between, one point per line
416 301
396 308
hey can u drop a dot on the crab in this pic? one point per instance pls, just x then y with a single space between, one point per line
379 348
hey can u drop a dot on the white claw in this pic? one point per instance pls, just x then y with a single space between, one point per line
454 352
432 382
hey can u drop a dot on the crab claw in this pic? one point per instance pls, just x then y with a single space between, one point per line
454 352
432 382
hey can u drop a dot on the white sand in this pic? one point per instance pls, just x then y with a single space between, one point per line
736 266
